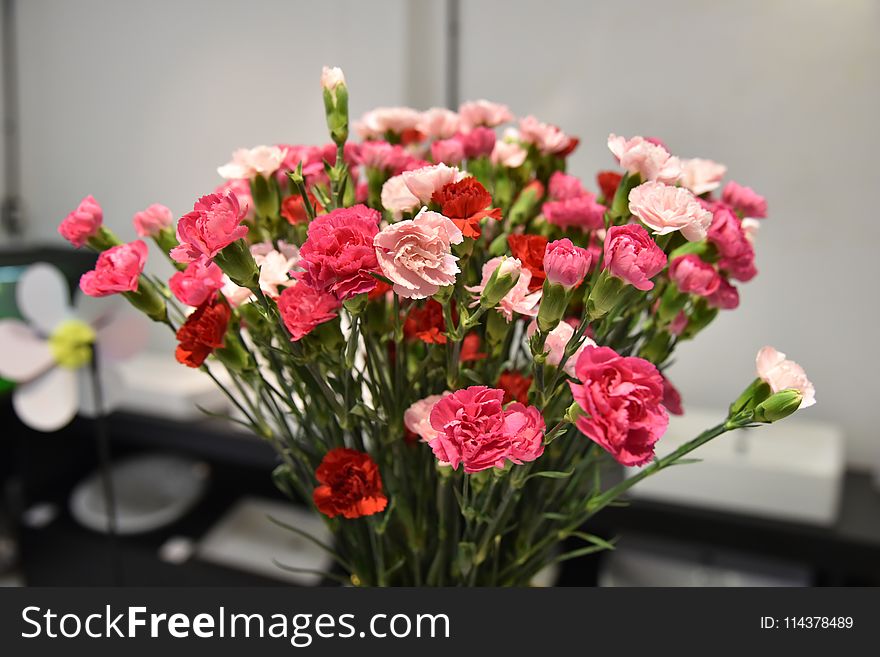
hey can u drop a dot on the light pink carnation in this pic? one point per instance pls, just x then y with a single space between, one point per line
376 123
438 123
235 294
82 223
275 265
744 200
149 222
648 159
197 282
632 256
474 430
303 308
701 176
781 374
666 209
582 212
483 112
555 343
396 197
548 139
417 418
338 255
622 399
117 270
692 275
417 254
566 264
448 151
214 224
331 77
249 162
422 183
509 154
518 300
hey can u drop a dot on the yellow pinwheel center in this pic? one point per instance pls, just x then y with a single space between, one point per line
71 343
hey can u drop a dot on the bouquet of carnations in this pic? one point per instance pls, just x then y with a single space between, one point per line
447 337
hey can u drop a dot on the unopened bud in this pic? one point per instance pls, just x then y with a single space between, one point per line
778 405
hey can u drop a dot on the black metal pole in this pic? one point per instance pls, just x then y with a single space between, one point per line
102 439
10 208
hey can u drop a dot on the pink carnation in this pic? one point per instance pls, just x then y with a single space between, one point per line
692 275
376 123
509 154
197 282
275 265
701 176
417 418
666 209
117 270
438 123
782 374
214 224
338 255
726 297
678 325
563 186
149 222
632 256
649 159
555 343
479 142
566 264
735 249
518 300
581 212
744 200
622 398
422 183
474 430
671 398
548 139
417 254
396 197
483 113
246 163
242 191
82 223
448 151
303 308
384 156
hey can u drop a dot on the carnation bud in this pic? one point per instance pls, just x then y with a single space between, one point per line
103 239
554 302
238 263
754 394
148 300
526 203
335 103
574 413
233 354
604 295
501 282
778 406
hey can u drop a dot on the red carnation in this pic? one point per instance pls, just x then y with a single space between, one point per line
515 386
529 250
426 323
351 485
294 210
202 332
608 182
470 348
466 202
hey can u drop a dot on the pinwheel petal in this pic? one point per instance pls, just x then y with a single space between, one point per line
23 354
43 297
49 402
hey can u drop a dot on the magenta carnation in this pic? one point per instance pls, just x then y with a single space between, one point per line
338 256
302 308
580 212
694 276
474 429
214 224
632 256
622 398
736 251
744 200
117 270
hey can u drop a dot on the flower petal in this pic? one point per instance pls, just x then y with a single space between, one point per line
49 402
43 296
23 354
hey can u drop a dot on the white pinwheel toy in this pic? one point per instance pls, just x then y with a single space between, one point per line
49 354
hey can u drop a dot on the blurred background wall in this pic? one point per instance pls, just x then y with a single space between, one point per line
138 102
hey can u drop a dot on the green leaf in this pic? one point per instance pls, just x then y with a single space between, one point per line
550 474
594 540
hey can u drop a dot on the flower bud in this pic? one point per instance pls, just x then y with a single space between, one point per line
335 103
148 300
754 394
238 263
501 282
604 295
574 413
778 406
554 301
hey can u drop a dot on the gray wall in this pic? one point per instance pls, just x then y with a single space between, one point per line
138 102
